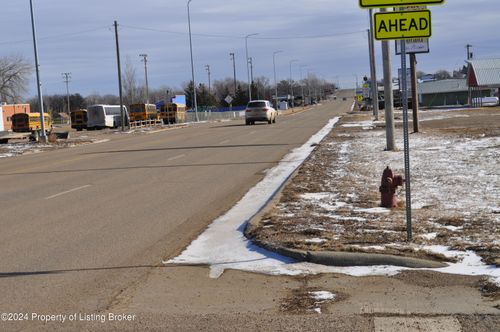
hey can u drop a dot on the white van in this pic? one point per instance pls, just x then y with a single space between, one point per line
105 116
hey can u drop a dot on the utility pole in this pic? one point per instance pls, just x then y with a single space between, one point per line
469 54
234 71
195 105
207 67
122 113
43 135
388 94
145 60
67 78
248 69
373 67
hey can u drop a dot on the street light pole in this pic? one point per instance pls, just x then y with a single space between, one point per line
192 64
43 136
248 68
291 86
275 81
145 59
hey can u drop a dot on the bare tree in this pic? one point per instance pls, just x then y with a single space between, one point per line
132 92
14 72
442 75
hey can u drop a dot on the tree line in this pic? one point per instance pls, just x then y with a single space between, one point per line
15 72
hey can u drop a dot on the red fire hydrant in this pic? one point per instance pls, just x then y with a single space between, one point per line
390 183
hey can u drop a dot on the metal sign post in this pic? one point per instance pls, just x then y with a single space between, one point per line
404 90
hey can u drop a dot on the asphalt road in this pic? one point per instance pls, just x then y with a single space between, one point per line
81 226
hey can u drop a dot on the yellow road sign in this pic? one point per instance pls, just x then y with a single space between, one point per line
396 3
402 25
359 98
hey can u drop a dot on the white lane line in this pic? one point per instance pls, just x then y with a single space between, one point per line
68 191
224 142
176 157
252 132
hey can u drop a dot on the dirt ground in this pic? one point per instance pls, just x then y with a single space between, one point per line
331 203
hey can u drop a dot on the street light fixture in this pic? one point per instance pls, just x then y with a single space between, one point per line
291 86
248 68
192 64
275 81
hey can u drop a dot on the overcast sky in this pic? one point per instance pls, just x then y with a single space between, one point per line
327 37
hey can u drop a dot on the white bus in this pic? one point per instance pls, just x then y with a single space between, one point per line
105 116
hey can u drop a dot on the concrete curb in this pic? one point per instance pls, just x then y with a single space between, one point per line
339 258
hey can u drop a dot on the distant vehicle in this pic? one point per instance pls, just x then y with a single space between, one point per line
142 112
105 116
173 113
30 122
260 110
79 119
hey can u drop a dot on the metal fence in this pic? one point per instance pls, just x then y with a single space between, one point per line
210 115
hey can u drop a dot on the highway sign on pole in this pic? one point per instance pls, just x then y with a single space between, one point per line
228 99
396 3
402 25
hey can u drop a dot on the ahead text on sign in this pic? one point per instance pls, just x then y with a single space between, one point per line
402 25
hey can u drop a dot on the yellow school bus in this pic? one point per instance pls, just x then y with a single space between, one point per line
173 113
141 112
79 119
30 122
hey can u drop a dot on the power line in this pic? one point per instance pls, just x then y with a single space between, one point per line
243 37
69 34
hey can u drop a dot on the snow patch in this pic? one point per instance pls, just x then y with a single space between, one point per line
322 296
315 240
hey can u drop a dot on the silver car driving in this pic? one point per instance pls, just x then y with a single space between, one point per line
260 110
